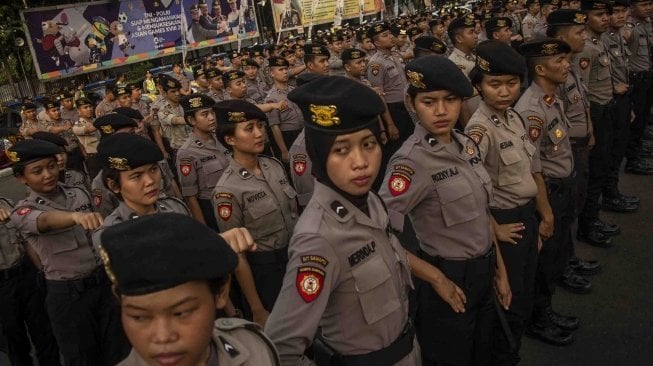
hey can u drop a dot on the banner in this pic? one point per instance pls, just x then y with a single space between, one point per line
292 14
76 38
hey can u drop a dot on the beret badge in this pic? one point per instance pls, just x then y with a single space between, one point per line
171 84
12 155
107 129
482 64
580 18
195 102
416 79
549 49
325 115
118 164
236 117
107 265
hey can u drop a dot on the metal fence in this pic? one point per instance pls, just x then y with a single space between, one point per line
23 88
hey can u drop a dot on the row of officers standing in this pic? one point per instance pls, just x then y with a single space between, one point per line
487 240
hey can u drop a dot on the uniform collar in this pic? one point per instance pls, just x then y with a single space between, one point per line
245 174
548 100
462 54
342 210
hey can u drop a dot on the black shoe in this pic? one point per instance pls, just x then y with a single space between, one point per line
564 322
573 282
626 198
607 229
550 333
594 236
616 205
639 167
584 267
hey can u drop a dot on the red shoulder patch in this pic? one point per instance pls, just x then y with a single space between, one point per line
224 210
24 211
584 63
299 166
309 281
534 132
398 183
185 169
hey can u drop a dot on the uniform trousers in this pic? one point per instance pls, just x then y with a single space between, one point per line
555 255
642 98
521 263
404 123
599 161
86 320
268 269
449 338
620 117
22 311
209 214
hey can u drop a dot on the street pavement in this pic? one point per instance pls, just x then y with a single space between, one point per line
616 317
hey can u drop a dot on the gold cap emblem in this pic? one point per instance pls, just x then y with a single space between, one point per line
195 102
469 20
325 115
580 18
171 84
416 79
483 64
107 129
236 117
501 23
12 155
558 133
119 164
549 49
355 55
107 265
317 50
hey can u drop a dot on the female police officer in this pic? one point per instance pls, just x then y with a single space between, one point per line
437 179
507 155
254 192
347 273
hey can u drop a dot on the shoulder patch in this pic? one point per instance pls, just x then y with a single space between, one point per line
185 166
309 282
375 69
534 132
299 164
315 259
224 210
97 197
476 133
339 209
398 183
584 63
461 66
24 210
535 119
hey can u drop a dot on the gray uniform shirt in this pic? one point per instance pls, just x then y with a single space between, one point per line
639 45
594 64
300 170
507 155
619 54
573 94
289 119
257 89
347 274
266 205
445 191
176 134
528 24
387 71
548 129
466 63
66 253
88 141
335 65
11 243
200 166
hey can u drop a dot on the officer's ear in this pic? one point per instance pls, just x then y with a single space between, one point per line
112 185
539 70
222 297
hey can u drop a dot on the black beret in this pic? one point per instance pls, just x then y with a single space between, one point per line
550 2
625 3
497 23
66 94
286 53
213 72
278 62
129 112
194 102
198 71
466 21
544 48
595 5
249 62
122 90
498 58
50 103
307 77
28 106
414 31
236 111
377 28
338 105
352 54
316 49
335 38
432 44
50 137
127 151
562 17
398 30
133 86
435 72
112 122
531 2
83 101
169 83
435 21
111 88
176 249
25 151
232 75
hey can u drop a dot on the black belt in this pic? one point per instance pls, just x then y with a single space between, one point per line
461 268
268 257
639 75
580 141
95 279
12 272
517 213
390 355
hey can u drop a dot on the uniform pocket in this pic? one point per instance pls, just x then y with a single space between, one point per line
376 293
212 170
642 50
458 202
264 217
67 243
509 171
604 67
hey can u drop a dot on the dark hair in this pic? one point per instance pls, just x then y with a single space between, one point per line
453 33
222 131
114 175
217 284
531 62
311 58
553 30
419 52
18 169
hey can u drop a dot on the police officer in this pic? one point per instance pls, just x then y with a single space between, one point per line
87 135
499 28
507 155
57 125
532 18
548 129
196 266
347 272
201 159
257 88
316 58
427 45
171 116
254 192
22 308
130 170
216 91
68 111
69 177
55 221
108 103
335 50
199 75
30 123
464 38
285 124
437 178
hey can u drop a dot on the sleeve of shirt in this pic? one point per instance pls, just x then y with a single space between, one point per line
187 173
477 132
584 63
402 189
294 321
375 73
165 116
25 217
300 173
274 116
534 124
227 209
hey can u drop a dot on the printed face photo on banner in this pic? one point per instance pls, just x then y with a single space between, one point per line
291 14
92 36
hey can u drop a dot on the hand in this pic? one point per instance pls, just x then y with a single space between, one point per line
393 132
4 214
67 125
260 316
378 90
621 89
239 239
592 141
285 156
546 229
540 243
89 221
451 294
282 105
509 232
502 289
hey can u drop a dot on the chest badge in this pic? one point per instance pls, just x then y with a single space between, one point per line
558 133
470 150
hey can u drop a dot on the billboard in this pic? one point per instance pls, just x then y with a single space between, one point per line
76 38
291 14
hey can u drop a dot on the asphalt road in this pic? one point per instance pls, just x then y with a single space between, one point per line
616 317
